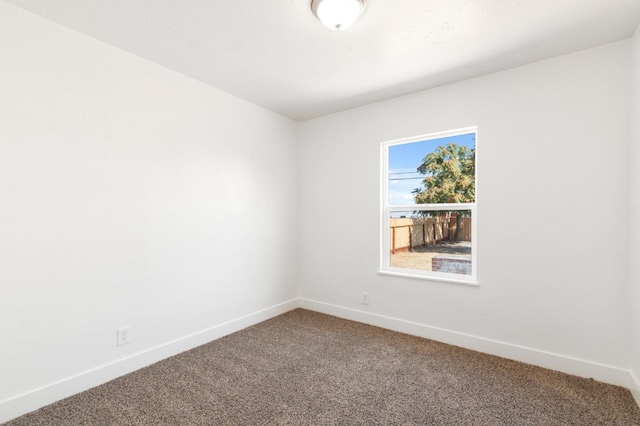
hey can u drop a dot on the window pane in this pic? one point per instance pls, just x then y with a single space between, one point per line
438 241
433 171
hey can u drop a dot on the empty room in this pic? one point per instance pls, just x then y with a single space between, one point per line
320 212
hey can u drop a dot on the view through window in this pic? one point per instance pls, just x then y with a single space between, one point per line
429 206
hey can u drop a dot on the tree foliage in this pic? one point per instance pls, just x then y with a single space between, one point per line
450 176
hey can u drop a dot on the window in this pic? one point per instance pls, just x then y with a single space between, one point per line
429 207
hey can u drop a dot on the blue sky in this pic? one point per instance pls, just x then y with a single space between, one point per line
404 159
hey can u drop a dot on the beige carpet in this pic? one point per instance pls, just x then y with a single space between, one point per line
305 368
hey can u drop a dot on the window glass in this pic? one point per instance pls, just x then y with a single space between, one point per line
438 241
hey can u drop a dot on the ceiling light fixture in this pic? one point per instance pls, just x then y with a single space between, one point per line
337 15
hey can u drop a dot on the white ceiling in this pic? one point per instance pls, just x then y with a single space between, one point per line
276 54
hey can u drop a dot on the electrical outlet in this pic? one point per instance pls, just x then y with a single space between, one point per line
124 336
365 298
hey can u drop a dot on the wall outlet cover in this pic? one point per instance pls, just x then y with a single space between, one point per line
124 336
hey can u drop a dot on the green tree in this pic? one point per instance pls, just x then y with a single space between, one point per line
449 178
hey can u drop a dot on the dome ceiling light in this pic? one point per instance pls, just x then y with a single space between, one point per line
337 15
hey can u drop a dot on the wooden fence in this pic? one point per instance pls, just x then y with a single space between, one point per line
407 233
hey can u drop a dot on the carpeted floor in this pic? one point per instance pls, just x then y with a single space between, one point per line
306 368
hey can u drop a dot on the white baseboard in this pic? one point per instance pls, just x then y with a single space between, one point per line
37 398
635 389
574 366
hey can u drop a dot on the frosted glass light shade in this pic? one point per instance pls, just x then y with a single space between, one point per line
337 15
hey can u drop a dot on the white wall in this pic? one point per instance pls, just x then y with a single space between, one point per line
634 213
552 214
130 196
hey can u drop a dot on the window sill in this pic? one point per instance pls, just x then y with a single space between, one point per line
469 282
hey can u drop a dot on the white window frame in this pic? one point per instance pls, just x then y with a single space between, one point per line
386 210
